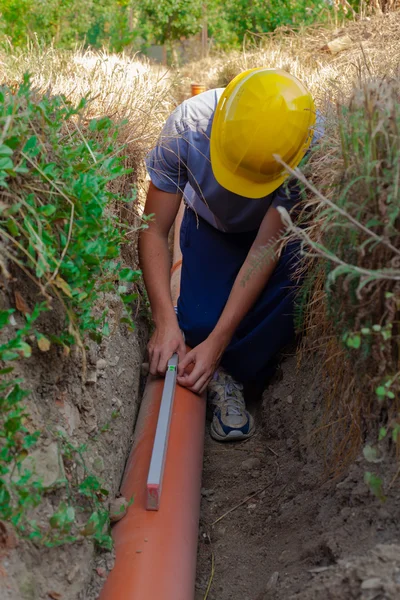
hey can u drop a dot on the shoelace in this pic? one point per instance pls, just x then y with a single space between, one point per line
234 405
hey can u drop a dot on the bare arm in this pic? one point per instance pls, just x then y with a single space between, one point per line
248 285
252 277
155 264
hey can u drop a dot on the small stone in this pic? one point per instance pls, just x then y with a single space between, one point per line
138 551
384 514
73 573
71 416
289 399
207 493
118 509
146 540
251 506
91 378
317 570
92 352
116 402
373 583
91 424
255 474
98 464
90 416
101 364
290 443
45 465
273 580
101 572
276 394
285 556
251 463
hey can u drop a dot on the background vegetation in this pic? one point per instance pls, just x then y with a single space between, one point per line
133 24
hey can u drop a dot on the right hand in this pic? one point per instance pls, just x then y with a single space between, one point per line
165 341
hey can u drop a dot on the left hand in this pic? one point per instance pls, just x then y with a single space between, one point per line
205 357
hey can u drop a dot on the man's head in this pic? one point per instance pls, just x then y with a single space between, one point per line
262 112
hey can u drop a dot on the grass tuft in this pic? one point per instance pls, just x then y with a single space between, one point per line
352 293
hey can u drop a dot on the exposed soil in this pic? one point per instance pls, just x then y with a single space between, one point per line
294 532
99 412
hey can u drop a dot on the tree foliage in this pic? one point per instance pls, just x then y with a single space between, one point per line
139 23
171 20
229 22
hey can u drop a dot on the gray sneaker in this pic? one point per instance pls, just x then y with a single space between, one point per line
231 421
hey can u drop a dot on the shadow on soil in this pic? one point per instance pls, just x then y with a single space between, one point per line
293 533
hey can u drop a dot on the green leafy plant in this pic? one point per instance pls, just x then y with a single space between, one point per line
58 230
18 494
57 225
121 23
375 485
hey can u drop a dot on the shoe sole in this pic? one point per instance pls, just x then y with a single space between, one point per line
236 437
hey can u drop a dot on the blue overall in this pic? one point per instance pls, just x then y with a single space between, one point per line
211 262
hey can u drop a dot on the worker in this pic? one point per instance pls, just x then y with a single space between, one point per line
235 309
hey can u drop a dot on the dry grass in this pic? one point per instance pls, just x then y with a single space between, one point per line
351 299
129 90
375 50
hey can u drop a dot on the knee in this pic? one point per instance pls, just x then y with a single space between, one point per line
197 328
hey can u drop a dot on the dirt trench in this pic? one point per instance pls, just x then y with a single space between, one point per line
275 526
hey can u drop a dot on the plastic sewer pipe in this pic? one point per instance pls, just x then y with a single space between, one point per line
156 550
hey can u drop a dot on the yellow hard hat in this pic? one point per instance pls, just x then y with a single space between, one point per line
261 112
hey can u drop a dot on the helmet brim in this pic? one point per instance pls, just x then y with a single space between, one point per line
240 185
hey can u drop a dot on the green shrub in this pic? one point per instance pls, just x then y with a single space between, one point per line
57 229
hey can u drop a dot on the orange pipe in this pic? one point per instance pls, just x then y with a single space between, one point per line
197 88
156 550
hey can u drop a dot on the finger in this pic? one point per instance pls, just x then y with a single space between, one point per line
189 358
205 386
201 384
189 380
162 362
154 361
